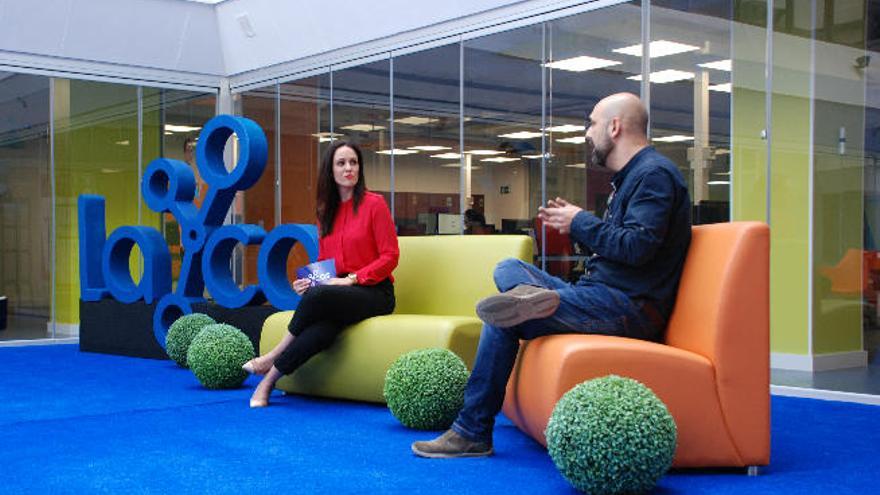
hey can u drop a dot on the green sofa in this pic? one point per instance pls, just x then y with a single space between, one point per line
437 284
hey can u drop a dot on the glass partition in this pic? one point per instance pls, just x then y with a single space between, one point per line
503 97
583 69
361 114
25 207
691 65
96 152
427 167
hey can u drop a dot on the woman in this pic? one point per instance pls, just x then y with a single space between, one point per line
357 231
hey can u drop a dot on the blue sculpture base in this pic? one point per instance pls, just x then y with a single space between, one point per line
111 327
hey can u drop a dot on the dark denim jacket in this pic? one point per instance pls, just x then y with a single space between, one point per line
640 245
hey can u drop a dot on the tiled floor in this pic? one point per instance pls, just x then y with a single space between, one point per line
25 328
855 380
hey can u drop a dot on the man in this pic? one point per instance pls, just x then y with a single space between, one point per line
628 288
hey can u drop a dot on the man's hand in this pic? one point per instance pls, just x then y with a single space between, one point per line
558 214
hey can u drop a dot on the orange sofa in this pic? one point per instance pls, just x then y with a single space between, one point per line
713 371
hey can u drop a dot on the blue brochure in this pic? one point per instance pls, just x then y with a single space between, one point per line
318 272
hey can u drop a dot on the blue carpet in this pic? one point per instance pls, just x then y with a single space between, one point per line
73 422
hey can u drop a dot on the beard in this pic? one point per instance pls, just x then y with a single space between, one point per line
596 154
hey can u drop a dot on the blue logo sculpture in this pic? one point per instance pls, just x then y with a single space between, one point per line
169 186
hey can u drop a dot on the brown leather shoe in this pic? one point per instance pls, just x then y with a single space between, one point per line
451 444
519 304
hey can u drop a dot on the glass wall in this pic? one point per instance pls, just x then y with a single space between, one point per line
503 142
583 69
96 152
74 137
472 136
361 114
426 126
25 207
690 67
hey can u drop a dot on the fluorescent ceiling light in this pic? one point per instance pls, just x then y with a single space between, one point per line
110 170
500 159
327 134
123 143
723 88
484 152
416 120
363 127
567 128
396 151
718 65
537 157
577 165
666 76
581 64
521 135
678 138
458 165
168 133
180 128
659 48
447 156
718 182
573 140
429 148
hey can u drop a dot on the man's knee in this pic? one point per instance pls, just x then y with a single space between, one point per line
506 267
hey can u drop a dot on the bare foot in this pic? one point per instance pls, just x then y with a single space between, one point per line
260 398
258 365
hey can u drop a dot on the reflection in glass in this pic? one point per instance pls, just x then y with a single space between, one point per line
96 152
25 206
427 170
503 94
584 68
690 99
256 206
172 120
305 133
361 112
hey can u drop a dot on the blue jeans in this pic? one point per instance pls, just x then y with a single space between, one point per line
583 308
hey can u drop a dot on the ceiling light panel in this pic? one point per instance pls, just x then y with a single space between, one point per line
428 148
724 65
500 159
396 152
582 63
666 76
678 138
363 127
521 135
416 120
573 140
657 49
567 128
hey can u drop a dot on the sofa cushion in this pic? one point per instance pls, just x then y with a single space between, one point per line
354 367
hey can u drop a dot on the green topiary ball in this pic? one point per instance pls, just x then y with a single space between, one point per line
216 356
424 389
181 334
611 435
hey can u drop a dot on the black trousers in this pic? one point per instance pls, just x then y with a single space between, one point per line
322 314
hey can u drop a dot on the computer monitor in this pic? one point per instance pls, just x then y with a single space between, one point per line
429 220
448 223
515 225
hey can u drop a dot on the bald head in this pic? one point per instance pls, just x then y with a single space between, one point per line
628 108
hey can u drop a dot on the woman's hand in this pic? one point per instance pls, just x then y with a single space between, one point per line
340 281
301 285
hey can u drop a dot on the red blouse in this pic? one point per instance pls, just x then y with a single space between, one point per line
364 243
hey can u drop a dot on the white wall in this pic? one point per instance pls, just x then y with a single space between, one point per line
169 35
290 30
